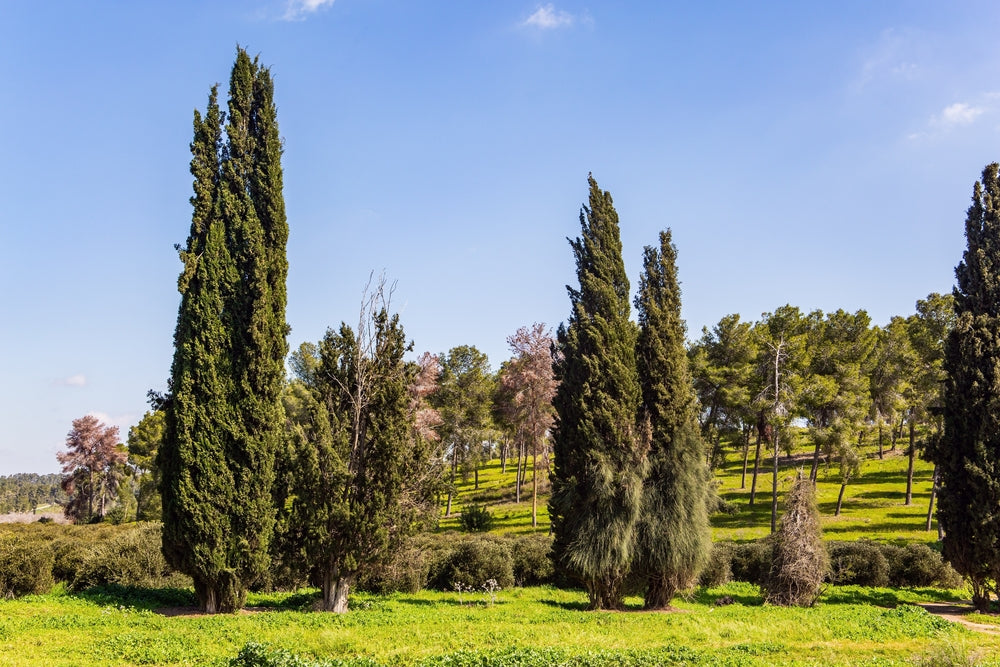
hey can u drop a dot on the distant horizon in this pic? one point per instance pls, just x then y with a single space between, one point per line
820 156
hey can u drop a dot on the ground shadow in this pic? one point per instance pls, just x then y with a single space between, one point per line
135 597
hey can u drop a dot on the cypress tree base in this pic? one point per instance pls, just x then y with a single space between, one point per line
335 590
659 593
223 596
606 594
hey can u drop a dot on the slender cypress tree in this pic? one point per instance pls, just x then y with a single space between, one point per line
223 411
674 533
598 472
968 454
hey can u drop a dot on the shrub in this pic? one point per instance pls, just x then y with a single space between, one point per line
472 563
25 566
860 563
918 565
530 559
476 519
799 561
718 570
130 558
751 561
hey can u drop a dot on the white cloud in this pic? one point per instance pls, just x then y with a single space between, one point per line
547 17
122 422
297 10
78 380
959 114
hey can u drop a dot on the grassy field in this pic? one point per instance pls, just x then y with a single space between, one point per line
873 505
851 626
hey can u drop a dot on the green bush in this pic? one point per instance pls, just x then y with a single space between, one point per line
130 558
918 565
472 563
751 561
258 655
860 563
25 566
476 519
719 569
530 559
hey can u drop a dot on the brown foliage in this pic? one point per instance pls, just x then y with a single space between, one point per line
800 562
91 465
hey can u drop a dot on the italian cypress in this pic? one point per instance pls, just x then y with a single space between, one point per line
674 533
223 410
598 472
968 454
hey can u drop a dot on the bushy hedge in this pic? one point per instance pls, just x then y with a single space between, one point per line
860 563
37 555
25 566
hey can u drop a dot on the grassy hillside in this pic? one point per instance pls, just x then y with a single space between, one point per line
873 504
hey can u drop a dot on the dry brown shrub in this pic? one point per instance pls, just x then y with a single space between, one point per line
800 562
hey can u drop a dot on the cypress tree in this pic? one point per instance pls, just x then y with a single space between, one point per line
223 411
674 533
597 477
968 454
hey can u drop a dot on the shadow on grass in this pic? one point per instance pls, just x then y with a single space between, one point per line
137 597
880 527
885 597
713 597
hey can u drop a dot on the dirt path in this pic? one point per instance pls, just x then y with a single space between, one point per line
956 614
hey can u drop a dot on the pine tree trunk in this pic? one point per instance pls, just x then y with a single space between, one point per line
840 498
774 487
746 458
814 472
897 433
476 473
756 469
881 453
930 507
451 488
909 467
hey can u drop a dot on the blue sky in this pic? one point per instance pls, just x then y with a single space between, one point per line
819 154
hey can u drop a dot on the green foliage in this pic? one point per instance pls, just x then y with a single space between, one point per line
674 537
968 454
254 654
130 558
530 559
597 479
23 492
861 563
476 519
472 564
25 566
751 561
719 568
223 413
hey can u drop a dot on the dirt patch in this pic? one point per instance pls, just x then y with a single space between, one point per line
956 614
28 517
195 612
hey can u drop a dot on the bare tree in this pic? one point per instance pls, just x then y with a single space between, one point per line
91 467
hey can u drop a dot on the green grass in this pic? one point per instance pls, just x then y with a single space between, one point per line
850 626
873 505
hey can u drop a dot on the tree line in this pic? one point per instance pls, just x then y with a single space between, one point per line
327 472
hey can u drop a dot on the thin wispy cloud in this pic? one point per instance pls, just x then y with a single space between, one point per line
298 10
959 114
894 57
547 17
78 380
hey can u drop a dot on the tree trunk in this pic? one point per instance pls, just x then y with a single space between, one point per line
659 593
756 469
774 487
451 487
335 590
897 433
930 507
746 458
881 453
909 468
606 593
840 498
534 488
814 472
476 473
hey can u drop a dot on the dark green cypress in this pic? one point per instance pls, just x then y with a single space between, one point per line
598 472
674 533
224 416
968 454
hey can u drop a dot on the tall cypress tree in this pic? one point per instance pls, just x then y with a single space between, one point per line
674 533
968 454
597 478
224 415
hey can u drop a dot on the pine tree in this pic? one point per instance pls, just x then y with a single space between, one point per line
674 533
223 410
597 478
968 454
